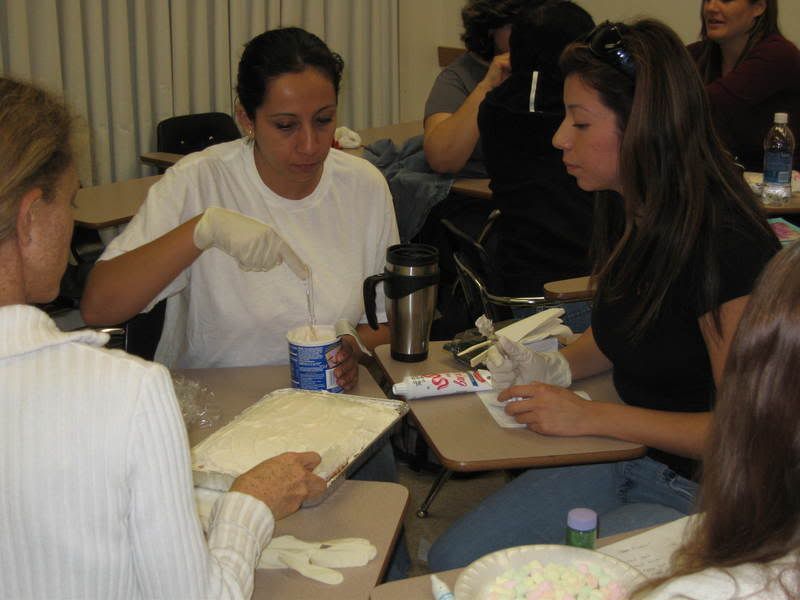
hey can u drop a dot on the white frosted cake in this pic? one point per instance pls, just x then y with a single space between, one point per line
336 426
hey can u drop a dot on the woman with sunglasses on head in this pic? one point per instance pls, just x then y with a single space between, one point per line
751 72
678 242
745 543
95 479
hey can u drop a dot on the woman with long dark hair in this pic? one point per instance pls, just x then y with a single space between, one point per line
745 543
678 243
751 72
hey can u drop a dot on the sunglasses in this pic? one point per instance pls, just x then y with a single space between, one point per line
606 43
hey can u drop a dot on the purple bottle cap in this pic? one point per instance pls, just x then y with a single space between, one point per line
582 519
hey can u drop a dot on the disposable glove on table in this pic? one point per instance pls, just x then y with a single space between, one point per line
511 363
316 559
255 245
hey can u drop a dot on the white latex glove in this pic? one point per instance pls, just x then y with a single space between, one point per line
315 559
511 363
311 559
255 245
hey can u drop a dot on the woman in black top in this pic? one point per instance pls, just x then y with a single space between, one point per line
678 243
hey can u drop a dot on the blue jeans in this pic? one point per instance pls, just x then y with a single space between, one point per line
532 509
577 315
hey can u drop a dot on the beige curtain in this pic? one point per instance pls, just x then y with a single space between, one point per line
124 65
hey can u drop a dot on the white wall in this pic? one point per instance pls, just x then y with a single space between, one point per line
426 24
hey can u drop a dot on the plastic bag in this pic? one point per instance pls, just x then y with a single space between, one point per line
196 402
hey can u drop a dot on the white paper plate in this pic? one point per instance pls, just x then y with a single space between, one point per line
473 580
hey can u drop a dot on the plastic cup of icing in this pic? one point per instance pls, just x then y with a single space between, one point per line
312 357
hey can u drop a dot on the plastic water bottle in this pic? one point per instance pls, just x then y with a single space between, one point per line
581 528
778 152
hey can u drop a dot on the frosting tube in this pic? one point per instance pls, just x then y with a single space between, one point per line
441 384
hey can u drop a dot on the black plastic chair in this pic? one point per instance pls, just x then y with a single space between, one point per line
481 286
478 278
191 133
143 332
179 135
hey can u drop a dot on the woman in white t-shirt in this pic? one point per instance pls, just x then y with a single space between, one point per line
746 541
228 232
95 479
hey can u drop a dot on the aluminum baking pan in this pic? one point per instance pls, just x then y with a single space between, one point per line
222 480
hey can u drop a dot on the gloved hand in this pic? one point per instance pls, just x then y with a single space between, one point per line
315 559
255 245
511 363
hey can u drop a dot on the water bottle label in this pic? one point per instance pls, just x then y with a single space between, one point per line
777 168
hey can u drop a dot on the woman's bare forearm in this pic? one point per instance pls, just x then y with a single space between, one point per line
120 288
449 142
371 338
679 433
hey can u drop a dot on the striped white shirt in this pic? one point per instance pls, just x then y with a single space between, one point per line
95 479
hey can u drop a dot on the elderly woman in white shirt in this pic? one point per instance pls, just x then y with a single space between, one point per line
95 484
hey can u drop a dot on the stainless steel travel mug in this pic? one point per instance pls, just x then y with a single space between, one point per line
410 281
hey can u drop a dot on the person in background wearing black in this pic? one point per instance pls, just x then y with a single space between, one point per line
678 242
545 221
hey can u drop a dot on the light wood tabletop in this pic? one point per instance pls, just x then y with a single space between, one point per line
790 208
110 204
366 509
464 436
576 288
161 160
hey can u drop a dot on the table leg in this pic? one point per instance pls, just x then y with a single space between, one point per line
441 479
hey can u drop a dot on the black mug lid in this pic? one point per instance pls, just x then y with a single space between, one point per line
412 255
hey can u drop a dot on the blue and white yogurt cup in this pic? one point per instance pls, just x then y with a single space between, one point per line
312 358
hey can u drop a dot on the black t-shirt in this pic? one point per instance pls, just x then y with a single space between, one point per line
668 367
546 220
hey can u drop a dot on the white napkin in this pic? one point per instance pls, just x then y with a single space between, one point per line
485 326
347 138
497 409
311 559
